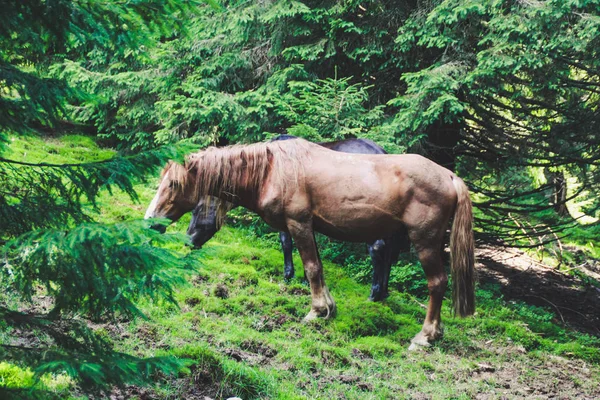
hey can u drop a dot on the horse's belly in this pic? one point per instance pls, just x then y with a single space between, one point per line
356 225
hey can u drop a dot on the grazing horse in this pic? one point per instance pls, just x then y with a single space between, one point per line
383 252
301 187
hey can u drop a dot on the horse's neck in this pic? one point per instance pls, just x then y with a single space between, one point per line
235 180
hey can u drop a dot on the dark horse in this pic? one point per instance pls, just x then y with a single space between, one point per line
384 252
300 187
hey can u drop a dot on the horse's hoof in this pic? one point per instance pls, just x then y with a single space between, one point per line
422 341
311 316
288 276
324 314
419 342
418 346
378 295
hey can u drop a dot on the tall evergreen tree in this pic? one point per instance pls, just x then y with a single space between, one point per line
49 242
520 80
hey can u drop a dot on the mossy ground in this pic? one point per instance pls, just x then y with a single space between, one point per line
241 322
240 326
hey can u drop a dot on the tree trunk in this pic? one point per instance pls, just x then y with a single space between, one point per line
441 144
560 194
559 191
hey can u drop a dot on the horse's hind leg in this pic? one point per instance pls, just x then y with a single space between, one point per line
288 262
323 304
437 280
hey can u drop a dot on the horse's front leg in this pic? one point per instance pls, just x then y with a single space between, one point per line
323 304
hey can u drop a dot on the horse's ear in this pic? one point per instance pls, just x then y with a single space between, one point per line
165 169
269 154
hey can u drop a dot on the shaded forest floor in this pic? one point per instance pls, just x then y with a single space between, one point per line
575 303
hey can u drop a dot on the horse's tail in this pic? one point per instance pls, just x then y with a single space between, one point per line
462 252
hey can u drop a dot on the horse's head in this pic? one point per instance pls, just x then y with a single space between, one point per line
176 194
203 225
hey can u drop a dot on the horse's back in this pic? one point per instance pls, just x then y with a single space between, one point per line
355 146
362 197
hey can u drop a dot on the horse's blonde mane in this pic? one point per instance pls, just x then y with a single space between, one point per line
227 169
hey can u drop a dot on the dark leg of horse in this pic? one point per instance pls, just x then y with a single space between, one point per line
384 254
377 251
323 304
288 263
398 243
437 280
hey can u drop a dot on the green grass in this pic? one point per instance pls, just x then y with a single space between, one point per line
362 353
59 150
15 377
240 327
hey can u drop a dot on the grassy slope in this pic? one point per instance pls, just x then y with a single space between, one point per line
362 352
240 325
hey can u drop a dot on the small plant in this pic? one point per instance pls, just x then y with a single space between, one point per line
408 276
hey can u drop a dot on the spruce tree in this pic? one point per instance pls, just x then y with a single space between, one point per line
50 243
519 79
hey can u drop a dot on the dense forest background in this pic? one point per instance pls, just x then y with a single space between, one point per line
504 92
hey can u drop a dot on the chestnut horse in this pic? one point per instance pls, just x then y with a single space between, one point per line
300 187
384 252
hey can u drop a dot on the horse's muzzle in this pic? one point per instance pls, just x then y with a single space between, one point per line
159 227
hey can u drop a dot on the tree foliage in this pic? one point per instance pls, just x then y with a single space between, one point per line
521 78
495 89
94 270
90 270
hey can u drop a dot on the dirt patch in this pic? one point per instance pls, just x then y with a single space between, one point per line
553 378
361 355
26 339
259 348
202 385
333 359
252 352
221 291
353 380
299 291
268 323
575 303
245 356
129 392
193 301
200 279
505 372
